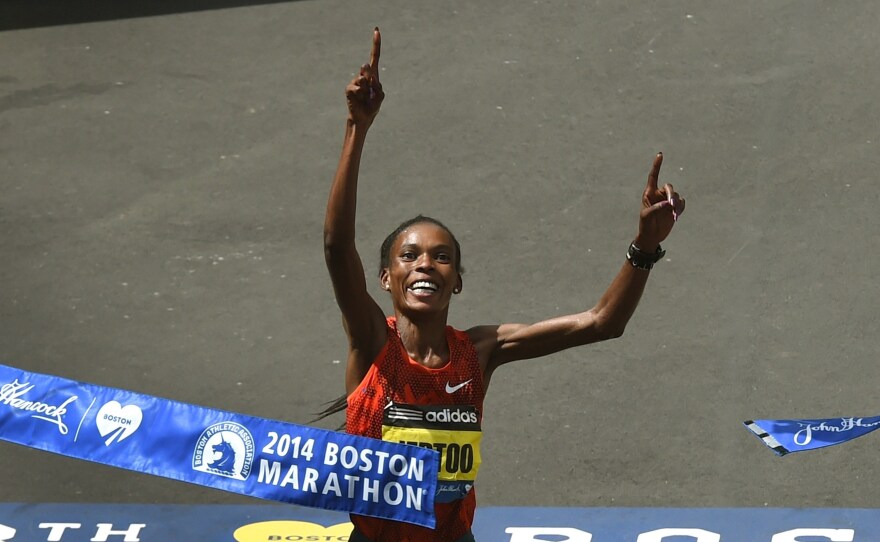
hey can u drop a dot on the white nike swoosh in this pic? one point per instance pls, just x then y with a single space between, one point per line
453 389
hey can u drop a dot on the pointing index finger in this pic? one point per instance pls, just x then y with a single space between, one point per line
654 175
374 53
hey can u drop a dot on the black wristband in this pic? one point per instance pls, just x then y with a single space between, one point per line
643 260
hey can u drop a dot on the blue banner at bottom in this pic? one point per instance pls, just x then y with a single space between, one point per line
233 452
270 523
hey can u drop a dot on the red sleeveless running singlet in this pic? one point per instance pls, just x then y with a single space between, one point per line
395 378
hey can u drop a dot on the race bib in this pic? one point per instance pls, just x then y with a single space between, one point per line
452 430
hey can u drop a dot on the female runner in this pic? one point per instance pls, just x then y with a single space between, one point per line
410 377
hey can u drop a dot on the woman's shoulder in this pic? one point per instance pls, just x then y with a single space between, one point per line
483 338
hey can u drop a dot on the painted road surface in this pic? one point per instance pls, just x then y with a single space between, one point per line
160 523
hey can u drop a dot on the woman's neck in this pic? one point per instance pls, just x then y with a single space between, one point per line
424 339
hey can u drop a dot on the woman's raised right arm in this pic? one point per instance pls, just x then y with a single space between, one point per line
362 317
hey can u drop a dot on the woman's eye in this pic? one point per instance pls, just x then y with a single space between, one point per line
408 256
443 258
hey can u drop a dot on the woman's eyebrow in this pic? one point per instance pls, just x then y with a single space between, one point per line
411 246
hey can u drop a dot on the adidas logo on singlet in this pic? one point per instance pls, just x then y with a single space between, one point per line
453 416
432 414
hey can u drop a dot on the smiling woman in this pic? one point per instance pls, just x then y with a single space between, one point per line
410 377
385 251
422 260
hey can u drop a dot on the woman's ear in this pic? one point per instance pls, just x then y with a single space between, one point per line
459 284
385 280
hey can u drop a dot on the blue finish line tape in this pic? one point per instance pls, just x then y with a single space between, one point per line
242 454
787 436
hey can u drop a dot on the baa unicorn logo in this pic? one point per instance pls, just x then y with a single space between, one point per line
225 449
225 454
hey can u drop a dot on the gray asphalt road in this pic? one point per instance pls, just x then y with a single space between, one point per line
165 177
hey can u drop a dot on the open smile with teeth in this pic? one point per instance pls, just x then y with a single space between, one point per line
423 287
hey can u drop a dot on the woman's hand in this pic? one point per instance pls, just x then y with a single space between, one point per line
661 208
364 94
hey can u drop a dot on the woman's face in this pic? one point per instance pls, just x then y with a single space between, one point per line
421 273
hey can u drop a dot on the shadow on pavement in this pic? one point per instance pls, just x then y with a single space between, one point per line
19 14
